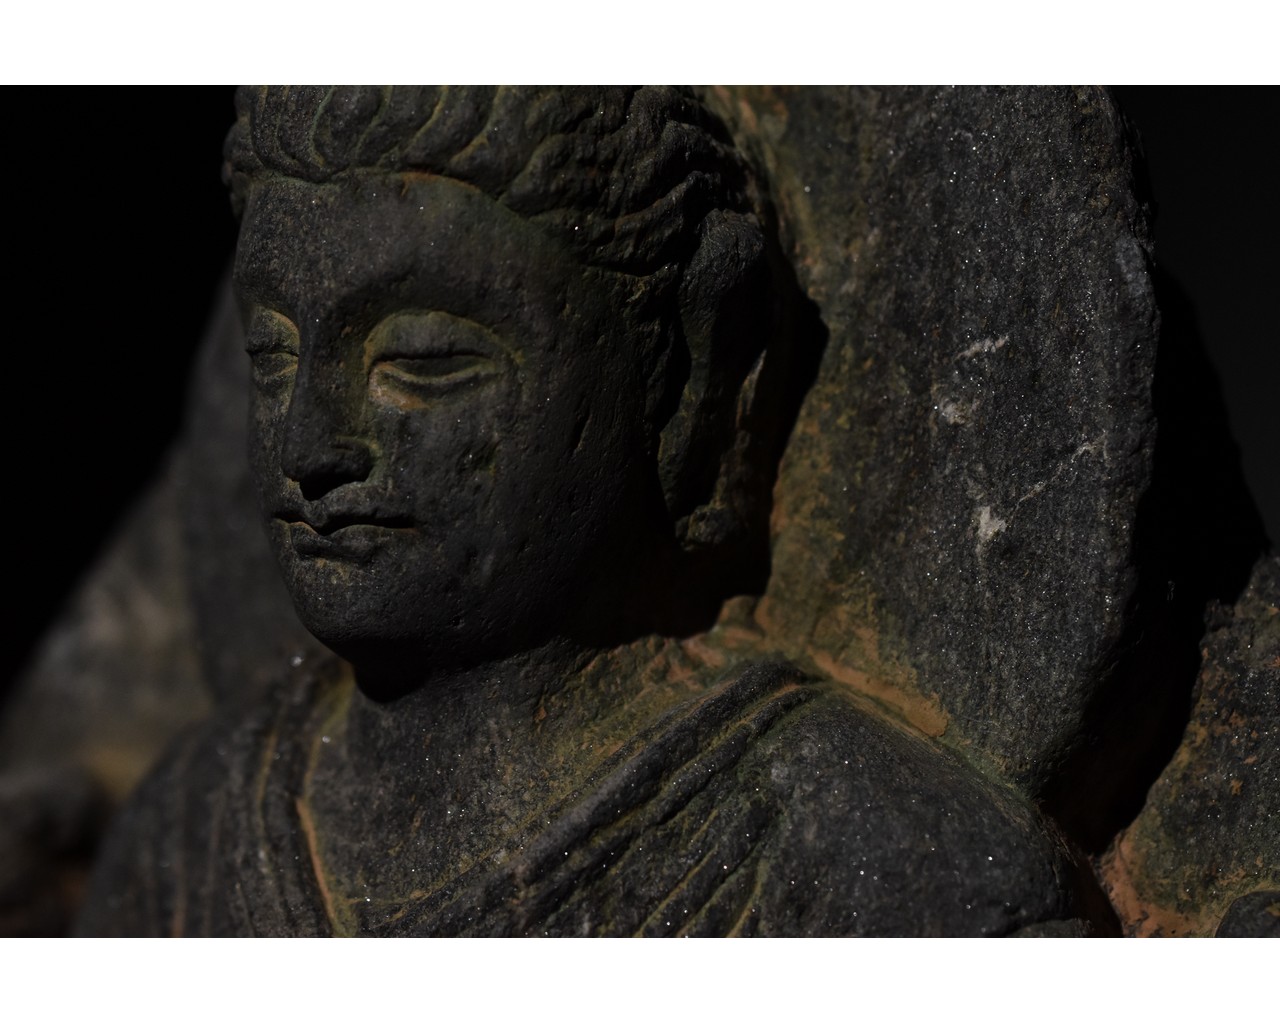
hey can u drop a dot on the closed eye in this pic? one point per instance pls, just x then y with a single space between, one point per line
418 357
272 343
413 380
267 366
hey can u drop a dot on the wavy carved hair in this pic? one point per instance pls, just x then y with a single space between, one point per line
643 181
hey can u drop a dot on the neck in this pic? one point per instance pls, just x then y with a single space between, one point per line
462 712
474 759
511 732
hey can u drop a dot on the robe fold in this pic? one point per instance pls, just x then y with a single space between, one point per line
772 804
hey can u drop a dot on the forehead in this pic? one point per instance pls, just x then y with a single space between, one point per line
399 241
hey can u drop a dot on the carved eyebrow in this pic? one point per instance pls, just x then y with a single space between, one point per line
254 288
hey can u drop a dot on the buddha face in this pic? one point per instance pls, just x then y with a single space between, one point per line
446 423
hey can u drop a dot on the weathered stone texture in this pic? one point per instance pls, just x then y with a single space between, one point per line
965 276
1209 835
966 470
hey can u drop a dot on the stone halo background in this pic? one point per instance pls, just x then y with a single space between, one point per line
121 239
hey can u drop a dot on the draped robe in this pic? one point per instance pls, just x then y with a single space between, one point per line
770 804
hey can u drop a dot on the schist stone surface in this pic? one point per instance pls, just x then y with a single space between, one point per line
968 465
1202 856
721 506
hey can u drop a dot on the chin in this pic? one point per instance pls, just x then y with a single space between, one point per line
396 646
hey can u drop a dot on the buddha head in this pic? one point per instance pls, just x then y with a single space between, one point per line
506 354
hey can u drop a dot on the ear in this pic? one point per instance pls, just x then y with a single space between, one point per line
725 304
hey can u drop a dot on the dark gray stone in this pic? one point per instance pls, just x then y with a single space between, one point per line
772 805
1256 916
959 496
589 692
523 364
1209 834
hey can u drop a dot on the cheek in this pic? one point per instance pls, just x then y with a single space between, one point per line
266 425
439 468
567 475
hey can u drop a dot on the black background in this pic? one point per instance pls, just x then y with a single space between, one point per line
120 229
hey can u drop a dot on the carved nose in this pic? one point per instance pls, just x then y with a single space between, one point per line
320 452
320 468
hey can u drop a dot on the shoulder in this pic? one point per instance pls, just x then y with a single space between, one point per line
183 856
881 831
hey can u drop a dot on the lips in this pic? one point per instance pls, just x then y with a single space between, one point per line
326 522
341 534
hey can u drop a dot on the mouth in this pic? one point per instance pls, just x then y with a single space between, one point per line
351 536
329 523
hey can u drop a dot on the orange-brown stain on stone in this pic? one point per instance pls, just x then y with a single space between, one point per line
1141 917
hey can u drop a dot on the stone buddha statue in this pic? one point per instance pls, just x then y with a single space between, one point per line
524 363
